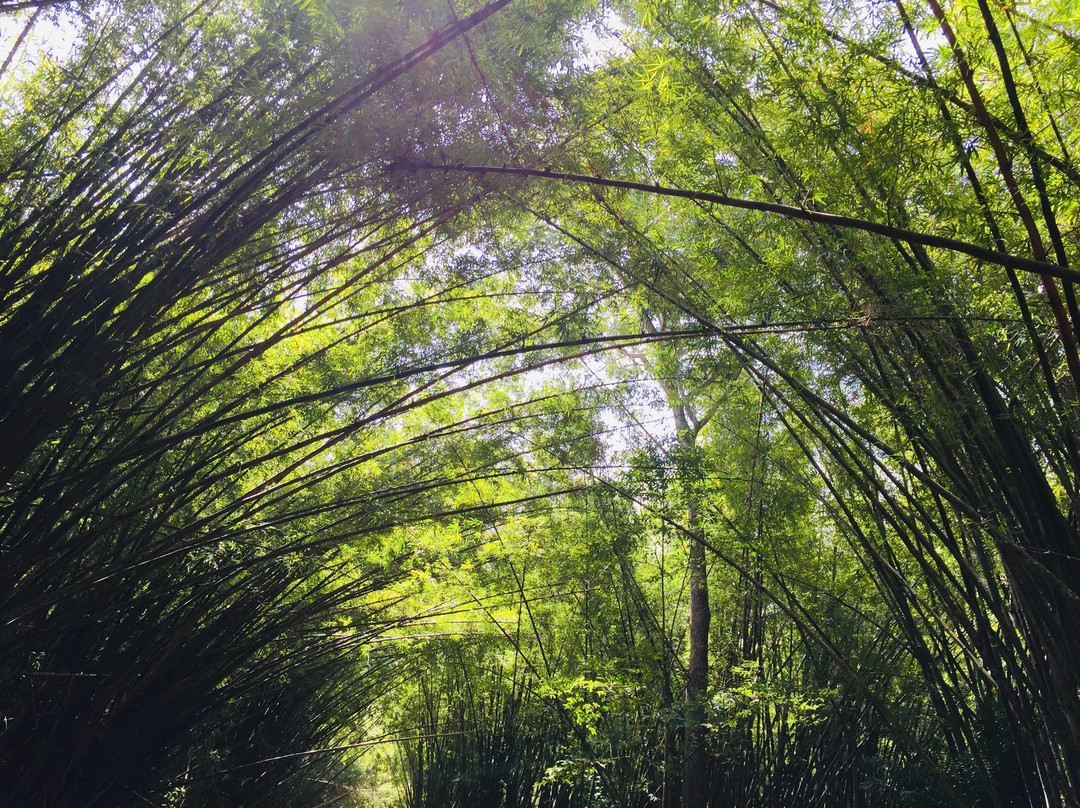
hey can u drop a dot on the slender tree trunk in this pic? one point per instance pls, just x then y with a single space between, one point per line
695 791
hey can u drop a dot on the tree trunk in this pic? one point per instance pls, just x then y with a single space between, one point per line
695 792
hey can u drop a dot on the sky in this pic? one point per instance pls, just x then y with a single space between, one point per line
53 33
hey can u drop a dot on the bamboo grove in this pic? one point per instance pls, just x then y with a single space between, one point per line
539 403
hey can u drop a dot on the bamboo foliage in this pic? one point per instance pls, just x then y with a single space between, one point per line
962 486
929 377
207 400
282 287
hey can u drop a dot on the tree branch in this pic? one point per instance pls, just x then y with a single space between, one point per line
787 211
